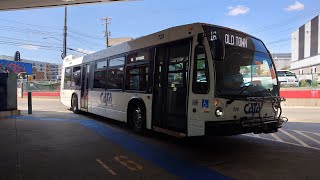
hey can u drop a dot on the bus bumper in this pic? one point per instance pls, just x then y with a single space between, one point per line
244 125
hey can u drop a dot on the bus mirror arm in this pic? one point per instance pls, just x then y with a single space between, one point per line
200 38
223 50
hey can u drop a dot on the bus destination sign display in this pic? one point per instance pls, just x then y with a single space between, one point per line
234 40
231 39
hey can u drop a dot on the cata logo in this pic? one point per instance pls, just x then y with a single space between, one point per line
252 108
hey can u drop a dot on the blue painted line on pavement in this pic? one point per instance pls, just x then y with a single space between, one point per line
168 161
45 118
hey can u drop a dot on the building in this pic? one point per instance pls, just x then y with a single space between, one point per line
282 61
40 70
116 41
53 71
305 49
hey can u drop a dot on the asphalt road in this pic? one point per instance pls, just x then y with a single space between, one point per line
55 143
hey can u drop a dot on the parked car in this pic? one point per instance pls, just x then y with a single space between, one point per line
287 78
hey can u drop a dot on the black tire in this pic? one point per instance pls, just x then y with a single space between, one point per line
138 118
74 104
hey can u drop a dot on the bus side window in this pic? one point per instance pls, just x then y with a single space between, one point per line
67 78
137 70
137 77
76 78
115 73
200 83
100 74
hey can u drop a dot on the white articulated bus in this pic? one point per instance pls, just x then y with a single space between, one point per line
191 80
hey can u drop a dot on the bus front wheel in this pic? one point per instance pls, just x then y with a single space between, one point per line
74 104
138 119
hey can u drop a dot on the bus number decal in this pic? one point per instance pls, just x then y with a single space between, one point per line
161 36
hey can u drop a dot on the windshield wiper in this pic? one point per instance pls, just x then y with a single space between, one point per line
243 87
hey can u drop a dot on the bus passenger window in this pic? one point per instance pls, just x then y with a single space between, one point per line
115 78
137 77
115 73
100 74
200 71
137 70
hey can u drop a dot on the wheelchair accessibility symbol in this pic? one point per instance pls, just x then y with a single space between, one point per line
205 103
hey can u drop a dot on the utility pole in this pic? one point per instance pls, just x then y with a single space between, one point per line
64 53
107 33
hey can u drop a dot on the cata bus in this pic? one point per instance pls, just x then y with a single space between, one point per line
190 80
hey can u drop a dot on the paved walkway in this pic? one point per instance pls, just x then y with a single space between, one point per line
64 148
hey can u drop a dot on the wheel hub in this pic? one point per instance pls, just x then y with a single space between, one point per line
137 118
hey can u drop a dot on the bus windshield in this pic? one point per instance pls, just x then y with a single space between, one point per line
245 68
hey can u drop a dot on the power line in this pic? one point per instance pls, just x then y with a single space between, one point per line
285 22
280 45
84 35
38 46
41 32
29 45
16 39
80 40
76 50
283 40
278 41
27 30
17 22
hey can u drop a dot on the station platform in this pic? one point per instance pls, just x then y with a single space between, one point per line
58 145
54 143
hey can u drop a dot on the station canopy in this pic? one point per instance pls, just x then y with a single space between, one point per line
29 4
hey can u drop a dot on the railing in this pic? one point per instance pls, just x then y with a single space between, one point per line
39 86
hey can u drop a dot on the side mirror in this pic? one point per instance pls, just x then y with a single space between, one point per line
219 50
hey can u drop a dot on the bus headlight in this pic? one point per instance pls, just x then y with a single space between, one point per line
219 112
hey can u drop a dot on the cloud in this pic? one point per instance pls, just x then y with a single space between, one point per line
85 51
297 6
238 10
30 47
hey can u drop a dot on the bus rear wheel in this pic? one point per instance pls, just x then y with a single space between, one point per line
74 105
138 120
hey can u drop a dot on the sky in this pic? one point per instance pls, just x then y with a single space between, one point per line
38 33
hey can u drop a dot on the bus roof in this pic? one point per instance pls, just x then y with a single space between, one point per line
230 29
169 34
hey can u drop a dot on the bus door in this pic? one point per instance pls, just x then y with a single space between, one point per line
84 85
170 87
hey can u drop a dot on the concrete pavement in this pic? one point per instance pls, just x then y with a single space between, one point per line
63 145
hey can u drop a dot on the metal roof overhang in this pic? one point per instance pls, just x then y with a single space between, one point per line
6 5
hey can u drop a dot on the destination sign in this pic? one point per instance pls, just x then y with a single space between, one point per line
230 37
234 40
